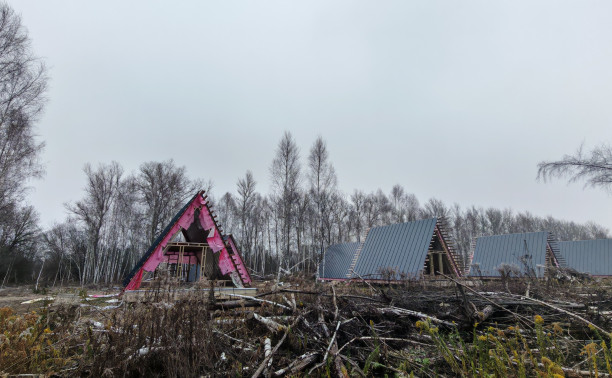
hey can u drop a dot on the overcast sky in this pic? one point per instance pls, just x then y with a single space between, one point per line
457 100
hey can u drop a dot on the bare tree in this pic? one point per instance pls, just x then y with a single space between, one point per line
227 210
323 181
23 82
461 235
246 204
301 211
286 179
340 211
371 211
595 167
405 206
18 238
100 193
435 208
595 231
357 214
117 219
413 208
65 245
264 217
495 219
162 189
397 199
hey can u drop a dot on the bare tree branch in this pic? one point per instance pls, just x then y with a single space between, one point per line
594 167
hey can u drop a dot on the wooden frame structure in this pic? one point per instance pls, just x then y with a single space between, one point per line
205 248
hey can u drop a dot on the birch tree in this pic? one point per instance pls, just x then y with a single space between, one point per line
246 204
356 216
286 180
23 82
322 179
593 167
226 209
163 188
435 208
92 211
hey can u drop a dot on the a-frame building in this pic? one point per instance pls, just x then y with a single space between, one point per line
530 253
206 252
413 250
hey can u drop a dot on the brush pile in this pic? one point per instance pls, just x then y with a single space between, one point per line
515 327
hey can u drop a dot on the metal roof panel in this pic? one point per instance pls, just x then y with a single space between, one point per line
402 247
525 250
337 260
588 256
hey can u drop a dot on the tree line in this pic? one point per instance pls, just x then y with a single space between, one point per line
287 228
306 212
108 230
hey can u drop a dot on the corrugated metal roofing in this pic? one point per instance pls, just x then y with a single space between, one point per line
588 256
402 247
337 260
523 250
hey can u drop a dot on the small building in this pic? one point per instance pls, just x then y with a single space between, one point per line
412 250
588 256
529 253
203 252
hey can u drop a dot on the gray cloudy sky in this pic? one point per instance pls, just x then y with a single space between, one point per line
457 100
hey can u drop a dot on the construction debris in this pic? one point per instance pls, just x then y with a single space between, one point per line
347 329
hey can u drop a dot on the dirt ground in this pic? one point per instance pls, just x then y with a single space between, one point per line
23 299
338 329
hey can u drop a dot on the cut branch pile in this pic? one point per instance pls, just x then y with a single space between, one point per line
463 329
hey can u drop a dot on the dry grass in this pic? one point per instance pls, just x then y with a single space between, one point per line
322 330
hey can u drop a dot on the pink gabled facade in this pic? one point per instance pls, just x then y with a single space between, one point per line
197 223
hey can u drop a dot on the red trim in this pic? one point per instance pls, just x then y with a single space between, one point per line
238 259
135 282
377 280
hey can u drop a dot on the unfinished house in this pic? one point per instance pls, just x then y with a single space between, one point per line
529 253
588 256
413 250
191 248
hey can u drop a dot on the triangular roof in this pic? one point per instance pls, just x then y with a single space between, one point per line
337 260
527 251
197 223
588 256
403 248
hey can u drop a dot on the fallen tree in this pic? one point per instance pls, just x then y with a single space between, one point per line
462 329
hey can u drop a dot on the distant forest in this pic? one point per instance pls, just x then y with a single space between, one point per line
120 213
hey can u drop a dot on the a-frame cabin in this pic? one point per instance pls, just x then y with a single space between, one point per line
206 252
528 253
414 250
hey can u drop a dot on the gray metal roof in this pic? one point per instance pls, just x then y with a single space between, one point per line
337 260
402 247
588 256
525 251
